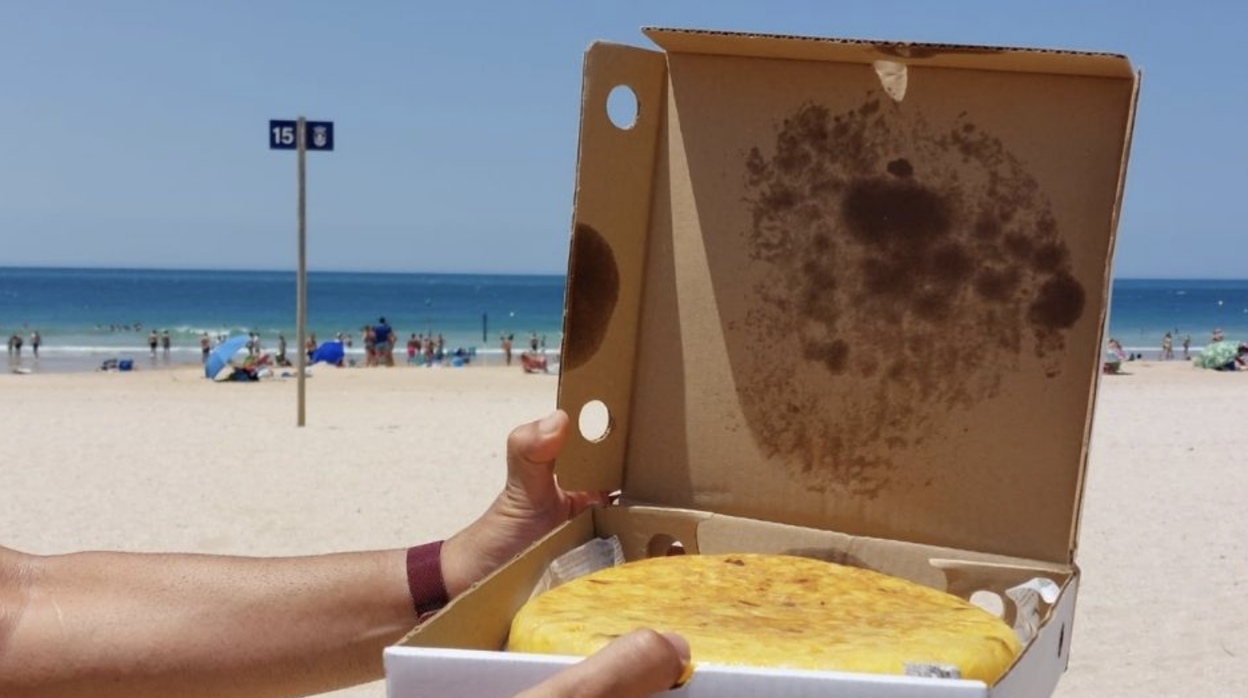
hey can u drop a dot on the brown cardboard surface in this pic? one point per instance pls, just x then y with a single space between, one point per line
605 280
1104 320
838 310
837 319
811 48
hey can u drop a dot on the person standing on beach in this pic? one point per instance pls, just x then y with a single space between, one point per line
533 342
281 350
506 349
370 346
205 346
152 340
310 345
164 343
1167 348
35 341
413 345
429 350
1187 347
383 342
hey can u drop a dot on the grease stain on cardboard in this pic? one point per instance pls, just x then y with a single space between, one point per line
933 248
594 279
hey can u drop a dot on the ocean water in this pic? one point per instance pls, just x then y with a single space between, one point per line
1142 310
89 314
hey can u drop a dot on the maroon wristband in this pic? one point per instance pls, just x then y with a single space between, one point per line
424 578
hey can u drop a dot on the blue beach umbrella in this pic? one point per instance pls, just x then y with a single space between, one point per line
329 352
222 355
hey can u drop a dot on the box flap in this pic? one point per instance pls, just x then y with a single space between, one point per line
605 279
847 293
810 48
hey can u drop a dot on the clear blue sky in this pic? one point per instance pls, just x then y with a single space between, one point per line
133 134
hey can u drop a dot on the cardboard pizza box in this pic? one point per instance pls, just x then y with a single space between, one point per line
834 298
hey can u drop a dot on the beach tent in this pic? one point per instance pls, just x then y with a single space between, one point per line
329 352
1217 355
220 357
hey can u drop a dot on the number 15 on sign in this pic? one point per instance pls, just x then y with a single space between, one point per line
282 135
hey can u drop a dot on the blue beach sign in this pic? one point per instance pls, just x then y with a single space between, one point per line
320 135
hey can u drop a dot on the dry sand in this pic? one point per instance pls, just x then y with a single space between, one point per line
165 461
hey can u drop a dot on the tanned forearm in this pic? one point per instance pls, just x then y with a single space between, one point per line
136 625
139 625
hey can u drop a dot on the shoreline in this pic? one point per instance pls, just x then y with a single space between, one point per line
55 362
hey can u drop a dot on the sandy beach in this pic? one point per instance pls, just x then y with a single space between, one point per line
166 461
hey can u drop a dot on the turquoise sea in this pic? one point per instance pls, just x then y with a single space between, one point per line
89 314
1142 310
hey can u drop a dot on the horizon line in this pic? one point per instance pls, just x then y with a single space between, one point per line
46 267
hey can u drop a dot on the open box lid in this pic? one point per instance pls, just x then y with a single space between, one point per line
856 286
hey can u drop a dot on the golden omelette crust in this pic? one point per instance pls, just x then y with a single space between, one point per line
771 611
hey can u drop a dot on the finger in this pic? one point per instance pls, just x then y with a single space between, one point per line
531 451
639 664
580 501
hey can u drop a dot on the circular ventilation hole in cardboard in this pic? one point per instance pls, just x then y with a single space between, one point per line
594 421
663 545
622 107
990 601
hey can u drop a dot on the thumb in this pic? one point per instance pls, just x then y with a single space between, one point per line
531 451
641 663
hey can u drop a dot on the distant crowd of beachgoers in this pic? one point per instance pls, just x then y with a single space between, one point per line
1219 353
379 342
16 343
